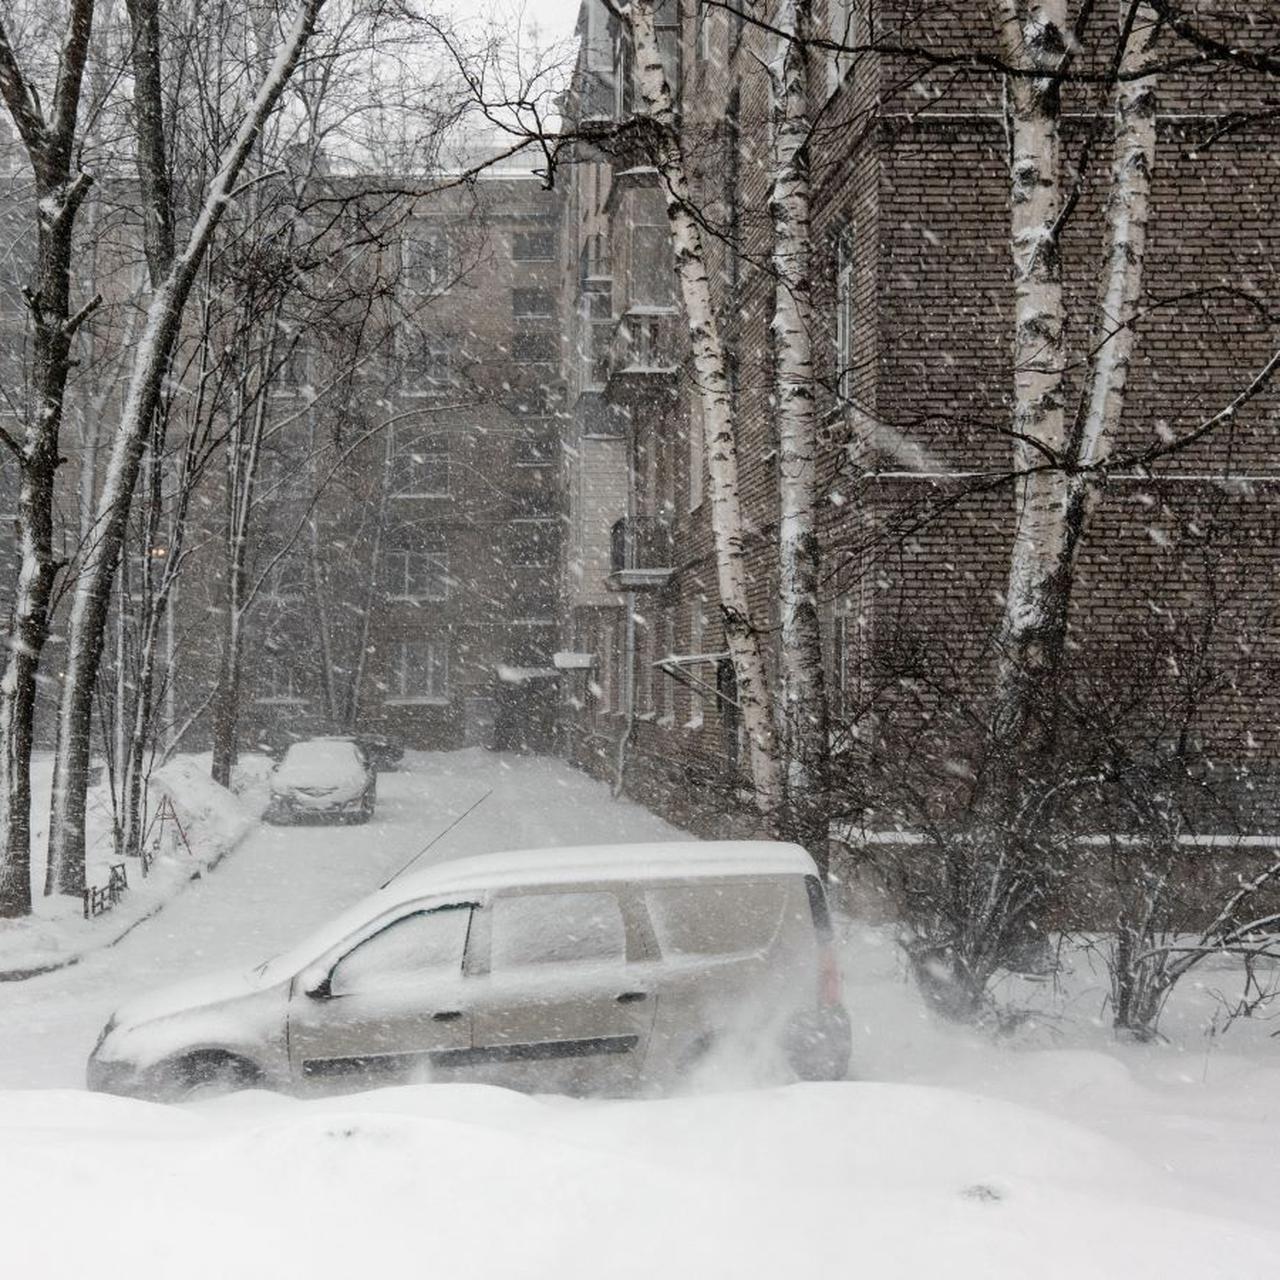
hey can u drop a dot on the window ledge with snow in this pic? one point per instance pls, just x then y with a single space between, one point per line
424 700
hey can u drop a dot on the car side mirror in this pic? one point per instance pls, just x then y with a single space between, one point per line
316 985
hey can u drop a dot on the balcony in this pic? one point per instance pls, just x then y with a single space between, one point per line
641 554
645 350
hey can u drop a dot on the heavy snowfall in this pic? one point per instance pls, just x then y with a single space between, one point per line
639 639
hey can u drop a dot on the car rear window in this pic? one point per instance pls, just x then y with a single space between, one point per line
557 928
718 919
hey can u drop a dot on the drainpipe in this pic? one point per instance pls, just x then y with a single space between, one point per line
628 696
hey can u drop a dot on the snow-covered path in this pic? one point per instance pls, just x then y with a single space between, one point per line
283 881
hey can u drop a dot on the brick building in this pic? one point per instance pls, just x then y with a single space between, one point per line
910 189
419 598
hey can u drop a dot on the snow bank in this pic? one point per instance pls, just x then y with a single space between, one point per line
212 820
891 1181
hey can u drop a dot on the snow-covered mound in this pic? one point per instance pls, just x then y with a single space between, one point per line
876 1180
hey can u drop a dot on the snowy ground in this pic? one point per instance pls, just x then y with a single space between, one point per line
212 821
1061 1154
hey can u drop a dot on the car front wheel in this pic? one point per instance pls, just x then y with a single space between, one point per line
207 1075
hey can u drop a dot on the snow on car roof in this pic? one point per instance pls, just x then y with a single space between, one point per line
683 858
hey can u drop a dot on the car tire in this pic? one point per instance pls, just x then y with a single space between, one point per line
819 1045
202 1076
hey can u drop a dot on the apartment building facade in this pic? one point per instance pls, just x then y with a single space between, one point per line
411 569
910 191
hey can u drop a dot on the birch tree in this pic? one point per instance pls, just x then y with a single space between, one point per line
742 635
91 599
49 138
804 700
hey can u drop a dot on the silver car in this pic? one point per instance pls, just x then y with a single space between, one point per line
594 970
323 779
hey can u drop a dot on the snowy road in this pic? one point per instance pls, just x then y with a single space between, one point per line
283 881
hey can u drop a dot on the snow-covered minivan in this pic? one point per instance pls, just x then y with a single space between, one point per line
606 969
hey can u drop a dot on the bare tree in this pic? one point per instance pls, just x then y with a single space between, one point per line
91 600
50 138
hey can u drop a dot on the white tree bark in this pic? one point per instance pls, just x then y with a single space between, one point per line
803 689
654 102
1128 212
90 602
1032 38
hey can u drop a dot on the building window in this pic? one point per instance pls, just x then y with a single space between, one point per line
644 667
697 642
419 467
667 710
532 543
419 672
843 28
427 258
428 362
535 450
844 313
845 635
652 281
533 246
702 39
532 304
416 575
696 442
533 348
292 373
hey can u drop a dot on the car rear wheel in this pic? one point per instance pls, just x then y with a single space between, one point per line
819 1045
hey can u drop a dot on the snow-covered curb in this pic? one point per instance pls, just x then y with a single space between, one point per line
213 820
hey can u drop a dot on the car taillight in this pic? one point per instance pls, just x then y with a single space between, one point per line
829 992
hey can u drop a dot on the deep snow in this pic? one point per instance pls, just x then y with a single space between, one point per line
1058 1153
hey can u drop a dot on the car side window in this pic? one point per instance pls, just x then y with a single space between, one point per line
415 948
557 928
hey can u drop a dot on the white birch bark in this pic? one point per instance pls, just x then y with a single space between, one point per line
91 599
654 101
1032 37
803 688
1128 212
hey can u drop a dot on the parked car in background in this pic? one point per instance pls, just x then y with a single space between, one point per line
605 969
323 778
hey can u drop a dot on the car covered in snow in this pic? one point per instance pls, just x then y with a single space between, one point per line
595 970
323 778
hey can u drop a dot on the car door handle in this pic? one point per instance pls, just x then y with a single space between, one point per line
446 1015
632 997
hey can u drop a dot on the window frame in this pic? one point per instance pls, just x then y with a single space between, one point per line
434 448
528 235
438 696
388 923
440 558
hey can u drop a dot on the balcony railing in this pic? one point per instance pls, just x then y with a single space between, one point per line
645 344
641 553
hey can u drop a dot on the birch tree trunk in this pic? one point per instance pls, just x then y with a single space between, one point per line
60 189
1133 155
803 688
1032 38
92 596
741 635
